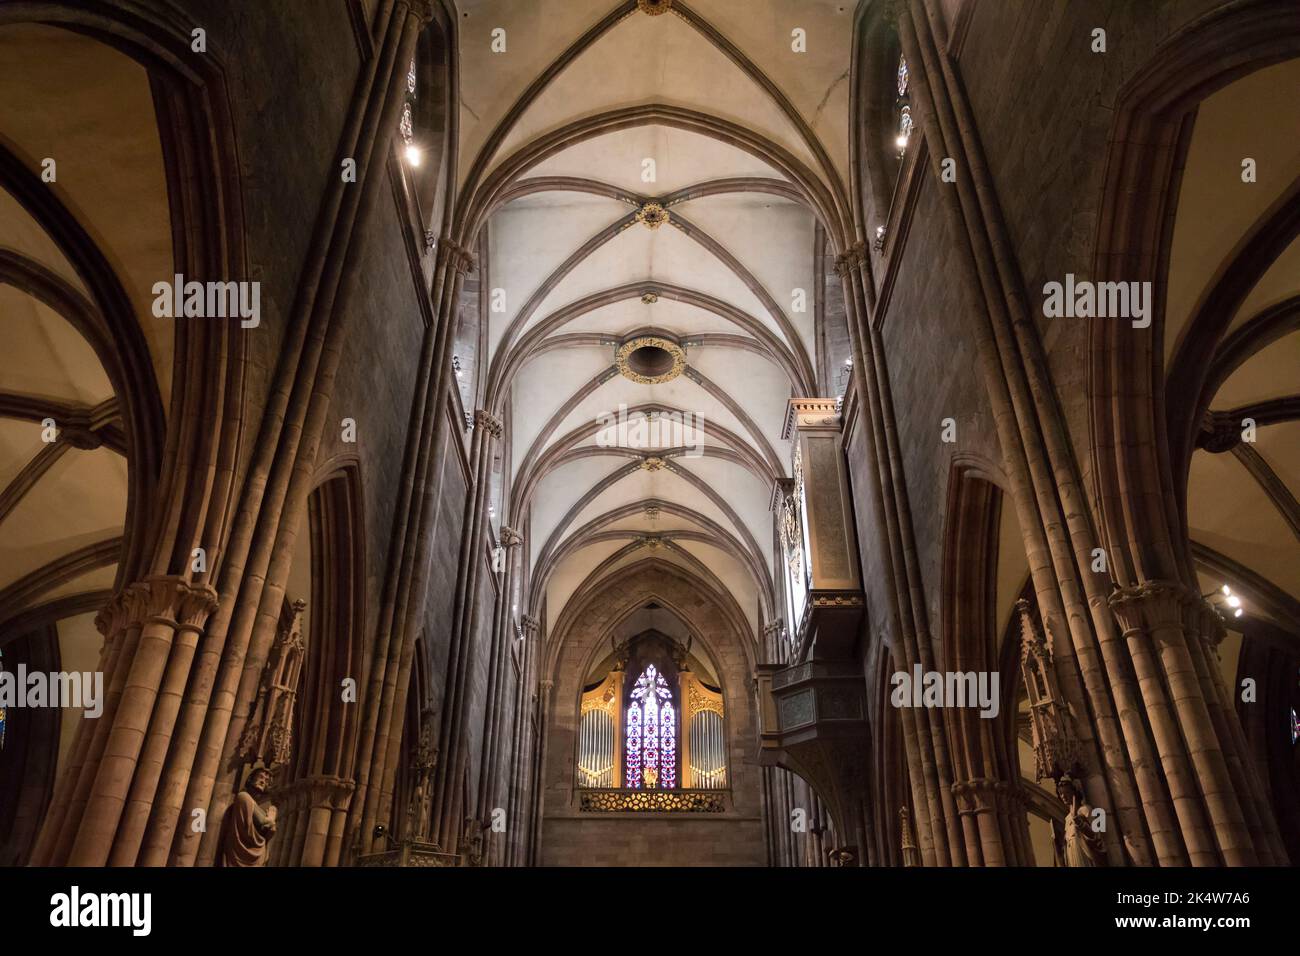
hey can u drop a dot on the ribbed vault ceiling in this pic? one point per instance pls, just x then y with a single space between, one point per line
1243 504
579 274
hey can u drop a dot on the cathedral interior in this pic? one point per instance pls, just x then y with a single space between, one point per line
584 433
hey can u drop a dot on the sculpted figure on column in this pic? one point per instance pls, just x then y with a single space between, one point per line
248 826
1083 844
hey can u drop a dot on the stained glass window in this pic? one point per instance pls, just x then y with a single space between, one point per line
1295 727
407 125
904 108
667 748
651 751
634 745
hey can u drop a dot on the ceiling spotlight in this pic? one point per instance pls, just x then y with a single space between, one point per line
1234 601
1238 612
1227 590
901 141
414 155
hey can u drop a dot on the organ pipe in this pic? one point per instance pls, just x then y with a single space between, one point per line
598 756
705 753
702 741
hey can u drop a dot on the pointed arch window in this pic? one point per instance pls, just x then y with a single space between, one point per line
903 108
651 734
650 723
406 126
423 128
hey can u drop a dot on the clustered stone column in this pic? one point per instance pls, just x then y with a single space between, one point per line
497 713
926 750
141 627
448 811
1160 742
147 783
410 557
527 745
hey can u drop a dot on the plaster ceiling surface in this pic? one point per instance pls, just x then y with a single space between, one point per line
729 277
1252 118
656 60
1229 509
101 579
682 158
1280 446
19 443
45 355
1277 284
97 122
1270 373
665 59
1232 514
668 314
81 500
24 235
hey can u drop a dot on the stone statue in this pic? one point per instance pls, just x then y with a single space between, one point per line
1083 844
472 842
841 856
248 825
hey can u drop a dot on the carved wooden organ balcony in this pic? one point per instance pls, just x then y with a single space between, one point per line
812 704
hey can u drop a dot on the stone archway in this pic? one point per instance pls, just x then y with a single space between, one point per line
572 837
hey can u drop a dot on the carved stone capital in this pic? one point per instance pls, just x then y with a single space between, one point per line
530 624
169 600
194 606
113 616
317 791
1208 622
1151 605
852 258
422 10
462 260
510 537
485 419
979 795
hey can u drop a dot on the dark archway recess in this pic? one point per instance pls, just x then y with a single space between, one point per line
30 750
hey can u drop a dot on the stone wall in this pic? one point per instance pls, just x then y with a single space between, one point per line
570 837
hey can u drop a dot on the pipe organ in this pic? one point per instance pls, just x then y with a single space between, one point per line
599 757
701 737
704 749
811 701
